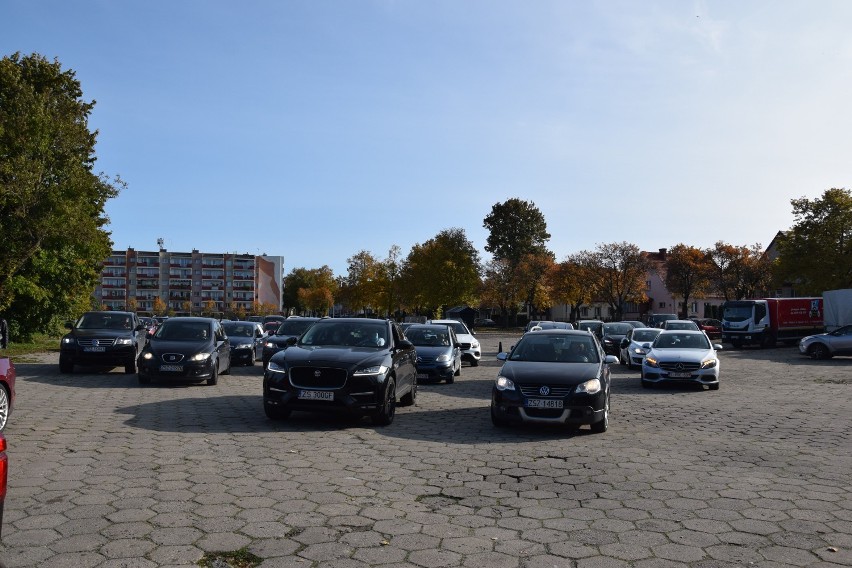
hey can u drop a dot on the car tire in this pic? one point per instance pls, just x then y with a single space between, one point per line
227 371
66 366
386 413
410 398
451 379
458 371
251 362
497 420
276 412
819 351
601 426
5 408
214 378
144 379
130 367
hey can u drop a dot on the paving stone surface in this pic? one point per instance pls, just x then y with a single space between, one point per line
105 472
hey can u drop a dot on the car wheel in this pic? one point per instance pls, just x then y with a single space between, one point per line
144 379
498 420
227 371
276 412
130 367
4 408
458 370
410 398
819 351
251 362
214 378
66 366
601 426
388 410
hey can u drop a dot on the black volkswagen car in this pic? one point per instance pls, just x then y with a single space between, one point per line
186 349
289 328
354 365
438 351
555 377
102 338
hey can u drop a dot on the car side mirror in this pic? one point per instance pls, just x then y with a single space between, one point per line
140 327
69 325
291 341
717 347
646 346
404 344
610 359
502 356
624 343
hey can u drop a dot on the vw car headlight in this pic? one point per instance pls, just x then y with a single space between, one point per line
590 387
124 341
504 384
68 340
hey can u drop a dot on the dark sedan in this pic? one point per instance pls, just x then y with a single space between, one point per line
555 377
186 349
438 352
611 336
102 338
288 329
246 339
355 365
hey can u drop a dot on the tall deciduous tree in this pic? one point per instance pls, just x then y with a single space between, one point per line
515 228
688 274
816 253
532 277
739 271
363 282
51 200
569 285
617 274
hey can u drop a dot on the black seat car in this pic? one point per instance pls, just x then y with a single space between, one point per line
355 365
186 349
102 338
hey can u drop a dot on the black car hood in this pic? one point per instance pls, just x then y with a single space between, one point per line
432 350
240 341
97 333
279 339
341 357
158 347
529 372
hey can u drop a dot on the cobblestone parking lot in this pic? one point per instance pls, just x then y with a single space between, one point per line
104 472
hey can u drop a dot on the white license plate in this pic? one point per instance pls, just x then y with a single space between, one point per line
422 375
543 403
316 395
172 368
680 375
94 349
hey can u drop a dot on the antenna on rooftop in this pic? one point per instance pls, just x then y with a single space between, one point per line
161 243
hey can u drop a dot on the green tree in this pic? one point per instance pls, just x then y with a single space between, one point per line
617 274
515 228
364 282
443 271
51 201
816 253
688 273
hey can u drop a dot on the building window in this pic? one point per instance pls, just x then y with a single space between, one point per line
661 305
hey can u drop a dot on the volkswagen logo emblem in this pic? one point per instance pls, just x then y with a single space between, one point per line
95 343
544 391
317 373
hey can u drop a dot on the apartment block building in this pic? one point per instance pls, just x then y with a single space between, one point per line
189 279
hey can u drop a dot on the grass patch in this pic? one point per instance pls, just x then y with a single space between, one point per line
241 558
39 344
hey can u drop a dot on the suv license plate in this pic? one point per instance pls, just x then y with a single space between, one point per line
543 403
316 395
94 349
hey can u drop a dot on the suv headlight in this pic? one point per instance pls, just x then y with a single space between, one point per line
504 384
373 370
68 341
590 387
275 368
124 341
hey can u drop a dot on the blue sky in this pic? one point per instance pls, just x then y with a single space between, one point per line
316 129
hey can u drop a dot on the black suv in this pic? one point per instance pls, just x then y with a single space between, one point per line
358 365
102 338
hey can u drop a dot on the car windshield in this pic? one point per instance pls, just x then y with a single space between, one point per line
616 328
555 325
428 337
458 327
682 341
183 331
546 348
346 334
294 327
105 321
681 325
737 313
645 335
239 329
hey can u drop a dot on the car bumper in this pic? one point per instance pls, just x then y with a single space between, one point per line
576 410
701 377
188 372
242 355
117 355
356 399
471 355
434 373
